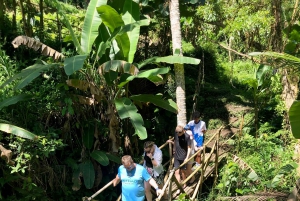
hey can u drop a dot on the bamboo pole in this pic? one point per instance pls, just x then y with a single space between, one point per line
179 185
170 153
170 191
165 144
165 186
99 191
216 160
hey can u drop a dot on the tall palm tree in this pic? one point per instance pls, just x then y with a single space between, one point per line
178 68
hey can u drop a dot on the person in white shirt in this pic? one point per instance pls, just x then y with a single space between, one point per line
198 129
153 164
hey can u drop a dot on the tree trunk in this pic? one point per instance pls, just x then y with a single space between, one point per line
25 26
1 17
178 68
41 20
14 18
275 41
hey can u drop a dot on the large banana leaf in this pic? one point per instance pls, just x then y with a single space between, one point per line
113 20
294 116
28 75
154 75
110 17
157 100
20 132
170 60
113 158
103 45
131 14
284 56
74 63
88 173
118 66
111 69
14 100
262 74
88 137
100 157
91 24
126 109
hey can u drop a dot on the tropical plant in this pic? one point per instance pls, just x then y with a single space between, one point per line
116 39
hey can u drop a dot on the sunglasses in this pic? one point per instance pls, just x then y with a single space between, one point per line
179 132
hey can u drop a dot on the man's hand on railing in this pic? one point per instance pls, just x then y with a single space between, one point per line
158 192
170 141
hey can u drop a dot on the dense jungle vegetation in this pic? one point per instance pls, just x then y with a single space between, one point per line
84 82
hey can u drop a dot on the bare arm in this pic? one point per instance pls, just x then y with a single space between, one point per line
188 153
116 180
153 183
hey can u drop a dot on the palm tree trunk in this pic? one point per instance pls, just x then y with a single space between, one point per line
14 18
178 68
41 20
1 17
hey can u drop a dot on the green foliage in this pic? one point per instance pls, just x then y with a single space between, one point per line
264 171
294 116
127 110
91 24
182 197
15 130
14 100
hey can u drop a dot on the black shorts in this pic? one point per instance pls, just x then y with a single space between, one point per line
177 163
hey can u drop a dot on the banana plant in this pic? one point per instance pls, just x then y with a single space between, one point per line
294 111
109 40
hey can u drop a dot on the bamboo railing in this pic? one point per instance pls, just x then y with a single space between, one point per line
202 167
169 178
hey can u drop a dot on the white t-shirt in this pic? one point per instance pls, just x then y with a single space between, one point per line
157 155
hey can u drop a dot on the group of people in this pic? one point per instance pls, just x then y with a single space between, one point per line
187 141
137 179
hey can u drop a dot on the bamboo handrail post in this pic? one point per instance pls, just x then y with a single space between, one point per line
178 185
202 169
170 191
198 185
216 159
166 184
170 153
191 175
